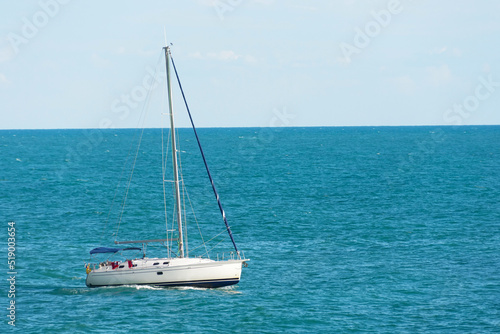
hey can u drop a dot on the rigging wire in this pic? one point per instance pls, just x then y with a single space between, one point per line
127 160
169 232
164 159
117 188
205 243
204 160
197 224
217 244
125 165
181 182
142 119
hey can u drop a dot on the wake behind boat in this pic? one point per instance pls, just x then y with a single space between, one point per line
179 270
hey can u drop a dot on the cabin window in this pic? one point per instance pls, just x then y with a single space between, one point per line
156 263
121 266
165 262
159 273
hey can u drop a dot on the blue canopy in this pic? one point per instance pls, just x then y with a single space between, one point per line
104 250
111 250
132 248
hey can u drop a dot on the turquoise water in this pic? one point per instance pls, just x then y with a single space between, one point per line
382 230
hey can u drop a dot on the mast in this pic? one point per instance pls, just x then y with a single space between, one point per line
174 155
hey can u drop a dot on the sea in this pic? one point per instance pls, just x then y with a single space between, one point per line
347 229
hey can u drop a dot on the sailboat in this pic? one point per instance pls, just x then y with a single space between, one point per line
173 270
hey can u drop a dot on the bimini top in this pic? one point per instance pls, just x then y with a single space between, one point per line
111 250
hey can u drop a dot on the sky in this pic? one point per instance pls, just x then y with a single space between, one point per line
255 63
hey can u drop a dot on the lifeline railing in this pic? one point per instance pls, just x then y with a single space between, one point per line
231 256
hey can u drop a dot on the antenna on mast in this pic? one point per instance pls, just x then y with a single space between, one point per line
165 36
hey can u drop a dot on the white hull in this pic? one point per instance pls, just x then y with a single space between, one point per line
168 272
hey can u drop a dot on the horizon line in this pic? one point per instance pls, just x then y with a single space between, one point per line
260 127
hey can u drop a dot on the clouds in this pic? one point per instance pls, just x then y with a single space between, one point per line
99 61
224 55
3 79
224 8
404 84
6 51
446 51
435 77
439 75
